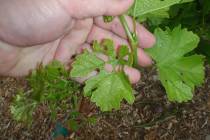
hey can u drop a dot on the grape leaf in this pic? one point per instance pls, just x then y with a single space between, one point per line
185 1
178 73
86 63
154 10
107 90
142 7
156 17
123 51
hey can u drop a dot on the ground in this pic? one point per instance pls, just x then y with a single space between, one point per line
151 117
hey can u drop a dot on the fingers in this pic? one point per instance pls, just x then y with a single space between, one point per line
143 59
70 43
146 39
89 8
133 74
100 34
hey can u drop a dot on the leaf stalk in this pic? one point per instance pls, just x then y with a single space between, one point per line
133 40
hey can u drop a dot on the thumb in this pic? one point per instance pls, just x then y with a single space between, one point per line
92 8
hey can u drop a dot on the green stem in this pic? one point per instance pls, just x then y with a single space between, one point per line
132 40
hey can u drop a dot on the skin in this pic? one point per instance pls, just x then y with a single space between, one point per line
39 31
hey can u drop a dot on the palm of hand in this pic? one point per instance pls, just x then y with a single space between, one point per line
39 32
18 61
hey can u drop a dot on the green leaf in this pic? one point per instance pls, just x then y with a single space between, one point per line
178 73
97 47
172 44
123 51
107 90
155 11
156 17
142 7
86 63
185 1
108 46
122 54
50 84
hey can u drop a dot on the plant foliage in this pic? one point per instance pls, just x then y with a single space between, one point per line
51 85
107 89
178 73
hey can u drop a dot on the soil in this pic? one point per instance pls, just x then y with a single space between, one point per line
151 117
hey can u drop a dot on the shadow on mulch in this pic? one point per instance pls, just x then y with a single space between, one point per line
151 117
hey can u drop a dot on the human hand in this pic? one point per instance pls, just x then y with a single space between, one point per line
38 31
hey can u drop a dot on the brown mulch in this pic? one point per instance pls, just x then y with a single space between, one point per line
151 117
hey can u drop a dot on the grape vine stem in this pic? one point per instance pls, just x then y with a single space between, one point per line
132 38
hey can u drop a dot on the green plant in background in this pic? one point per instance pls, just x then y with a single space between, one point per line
51 86
178 71
48 85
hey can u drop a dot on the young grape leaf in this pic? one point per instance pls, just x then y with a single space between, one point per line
86 63
108 47
178 73
123 51
107 90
